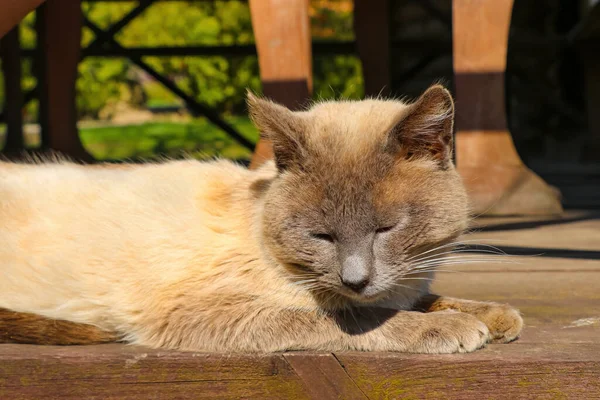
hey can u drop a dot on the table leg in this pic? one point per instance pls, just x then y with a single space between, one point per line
59 31
497 180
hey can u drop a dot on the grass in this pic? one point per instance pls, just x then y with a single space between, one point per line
197 138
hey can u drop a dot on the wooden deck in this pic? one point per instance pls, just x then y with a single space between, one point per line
557 357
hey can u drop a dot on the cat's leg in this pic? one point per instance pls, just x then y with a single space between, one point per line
364 329
503 321
18 327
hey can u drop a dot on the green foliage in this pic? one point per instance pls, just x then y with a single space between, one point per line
198 138
217 81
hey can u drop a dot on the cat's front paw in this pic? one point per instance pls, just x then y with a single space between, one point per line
452 332
503 321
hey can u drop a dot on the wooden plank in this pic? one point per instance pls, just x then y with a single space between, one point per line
323 376
542 297
583 234
476 376
547 361
128 372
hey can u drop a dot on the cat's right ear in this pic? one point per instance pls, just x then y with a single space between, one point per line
282 127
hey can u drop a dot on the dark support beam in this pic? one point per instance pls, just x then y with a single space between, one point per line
591 64
103 36
371 27
58 25
13 96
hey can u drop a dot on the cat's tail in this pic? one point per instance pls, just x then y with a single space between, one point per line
25 328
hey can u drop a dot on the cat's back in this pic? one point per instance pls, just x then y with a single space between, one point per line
68 230
63 188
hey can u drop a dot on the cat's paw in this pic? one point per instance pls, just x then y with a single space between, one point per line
452 332
503 321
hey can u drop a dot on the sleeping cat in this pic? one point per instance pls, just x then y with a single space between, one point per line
330 247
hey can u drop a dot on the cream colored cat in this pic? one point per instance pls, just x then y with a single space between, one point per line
321 250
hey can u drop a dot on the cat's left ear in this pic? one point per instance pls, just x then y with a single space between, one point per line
283 127
426 130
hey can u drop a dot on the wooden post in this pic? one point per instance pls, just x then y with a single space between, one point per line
371 27
59 35
14 11
10 53
497 181
282 33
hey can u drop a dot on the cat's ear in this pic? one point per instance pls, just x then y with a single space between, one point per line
282 127
426 129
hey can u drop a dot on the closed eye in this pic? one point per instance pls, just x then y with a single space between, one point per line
323 236
385 229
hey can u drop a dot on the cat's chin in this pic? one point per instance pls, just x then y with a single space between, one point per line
397 300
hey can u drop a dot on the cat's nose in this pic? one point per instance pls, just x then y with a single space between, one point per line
356 285
355 272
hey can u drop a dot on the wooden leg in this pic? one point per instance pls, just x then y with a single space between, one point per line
14 11
371 27
282 32
59 30
497 180
10 52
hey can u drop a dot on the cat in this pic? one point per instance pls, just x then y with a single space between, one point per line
320 249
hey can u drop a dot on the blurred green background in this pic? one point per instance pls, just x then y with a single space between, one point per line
118 103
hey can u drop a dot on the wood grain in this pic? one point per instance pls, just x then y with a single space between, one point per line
125 372
324 377
546 363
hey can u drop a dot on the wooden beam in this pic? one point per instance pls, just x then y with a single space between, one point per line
549 362
282 33
496 179
14 11
10 53
58 25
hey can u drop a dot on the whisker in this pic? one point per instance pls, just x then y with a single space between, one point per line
461 251
461 262
458 243
417 279
432 269
466 257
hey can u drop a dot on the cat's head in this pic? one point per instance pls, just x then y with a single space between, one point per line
362 187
